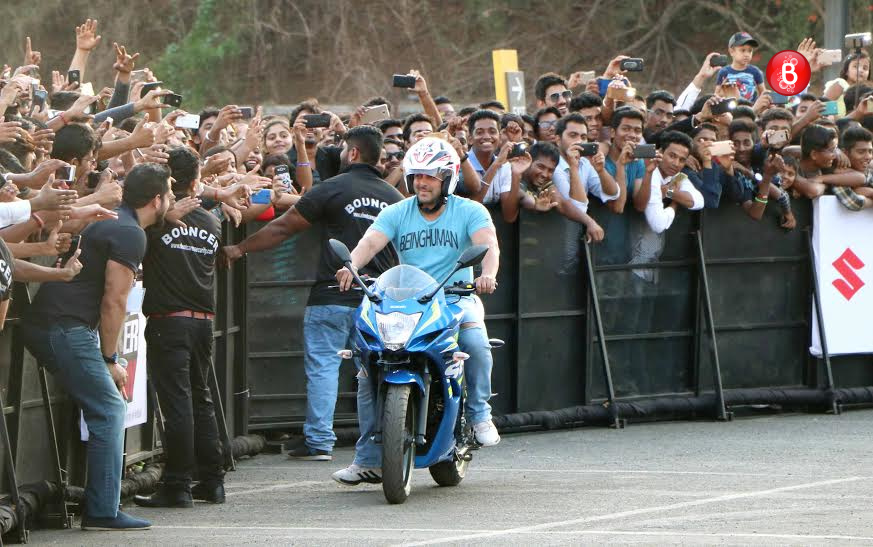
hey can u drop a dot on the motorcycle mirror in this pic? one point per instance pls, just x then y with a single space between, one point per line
472 255
340 250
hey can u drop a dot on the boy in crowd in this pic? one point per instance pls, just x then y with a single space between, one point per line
748 78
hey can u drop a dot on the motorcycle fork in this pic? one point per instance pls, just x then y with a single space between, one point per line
421 426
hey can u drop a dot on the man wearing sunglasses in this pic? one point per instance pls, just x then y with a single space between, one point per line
551 90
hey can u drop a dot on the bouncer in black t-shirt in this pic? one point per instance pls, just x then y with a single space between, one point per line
346 205
179 279
60 330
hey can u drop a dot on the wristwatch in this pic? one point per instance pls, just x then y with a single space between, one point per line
112 359
669 193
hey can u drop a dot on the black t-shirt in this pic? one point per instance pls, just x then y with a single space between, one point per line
7 265
347 205
121 240
179 267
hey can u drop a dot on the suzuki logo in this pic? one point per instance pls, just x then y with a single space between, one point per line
847 265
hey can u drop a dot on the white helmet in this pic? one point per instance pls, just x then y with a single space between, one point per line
435 157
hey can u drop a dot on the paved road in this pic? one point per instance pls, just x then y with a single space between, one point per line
778 480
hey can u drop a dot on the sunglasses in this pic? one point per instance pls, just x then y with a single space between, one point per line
567 95
547 125
394 155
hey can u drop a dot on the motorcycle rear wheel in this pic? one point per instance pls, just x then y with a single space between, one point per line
449 473
398 443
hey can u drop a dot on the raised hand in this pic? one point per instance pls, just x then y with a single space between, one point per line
50 199
31 57
92 211
124 63
86 35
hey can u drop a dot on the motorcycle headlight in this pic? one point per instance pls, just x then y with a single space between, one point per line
396 328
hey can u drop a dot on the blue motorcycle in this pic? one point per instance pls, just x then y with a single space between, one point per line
406 337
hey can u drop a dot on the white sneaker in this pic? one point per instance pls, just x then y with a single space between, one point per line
486 433
355 474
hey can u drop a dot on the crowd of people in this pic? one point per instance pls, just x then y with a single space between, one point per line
123 180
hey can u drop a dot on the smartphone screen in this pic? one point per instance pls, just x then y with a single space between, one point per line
262 197
75 243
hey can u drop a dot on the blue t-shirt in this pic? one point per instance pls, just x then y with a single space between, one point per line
434 246
747 80
632 171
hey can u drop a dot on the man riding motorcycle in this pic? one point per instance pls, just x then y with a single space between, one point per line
430 230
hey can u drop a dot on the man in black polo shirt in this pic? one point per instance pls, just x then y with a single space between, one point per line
179 279
347 205
61 328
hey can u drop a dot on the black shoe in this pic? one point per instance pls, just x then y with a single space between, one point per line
297 450
208 492
310 454
166 497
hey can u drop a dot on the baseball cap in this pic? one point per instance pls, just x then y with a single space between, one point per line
741 39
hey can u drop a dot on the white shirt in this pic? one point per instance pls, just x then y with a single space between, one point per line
687 98
590 183
502 181
14 212
659 217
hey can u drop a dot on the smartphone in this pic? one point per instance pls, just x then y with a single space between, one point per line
719 60
830 109
518 149
74 77
620 93
148 87
776 98
75 243
188 121
262 197
632 65
587 76
39 98
281 172
403 80
173 99
587 148
859 40
317 120
87 89
644 151
66 174
778 139
248 112
94 179
830 56
721 148
137 76
375 114
724 107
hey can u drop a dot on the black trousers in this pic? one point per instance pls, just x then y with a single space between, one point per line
179 354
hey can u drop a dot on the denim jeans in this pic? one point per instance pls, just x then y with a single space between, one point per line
477 371
179 358
72 355
326 330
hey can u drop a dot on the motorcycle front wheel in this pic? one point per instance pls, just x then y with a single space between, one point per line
449 473
398 443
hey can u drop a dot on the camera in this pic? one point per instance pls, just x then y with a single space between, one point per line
644 151
247 112
316 120
719 60
173 99
404 81
632 65
723 107
518 149
859 40
587 148
281 172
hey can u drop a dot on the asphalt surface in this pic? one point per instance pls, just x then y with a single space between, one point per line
775 480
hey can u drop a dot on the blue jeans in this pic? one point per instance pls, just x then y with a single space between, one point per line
477 371
72 355
326 330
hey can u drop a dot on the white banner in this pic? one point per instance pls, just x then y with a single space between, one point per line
843 243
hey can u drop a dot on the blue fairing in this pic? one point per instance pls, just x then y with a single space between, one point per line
434 336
